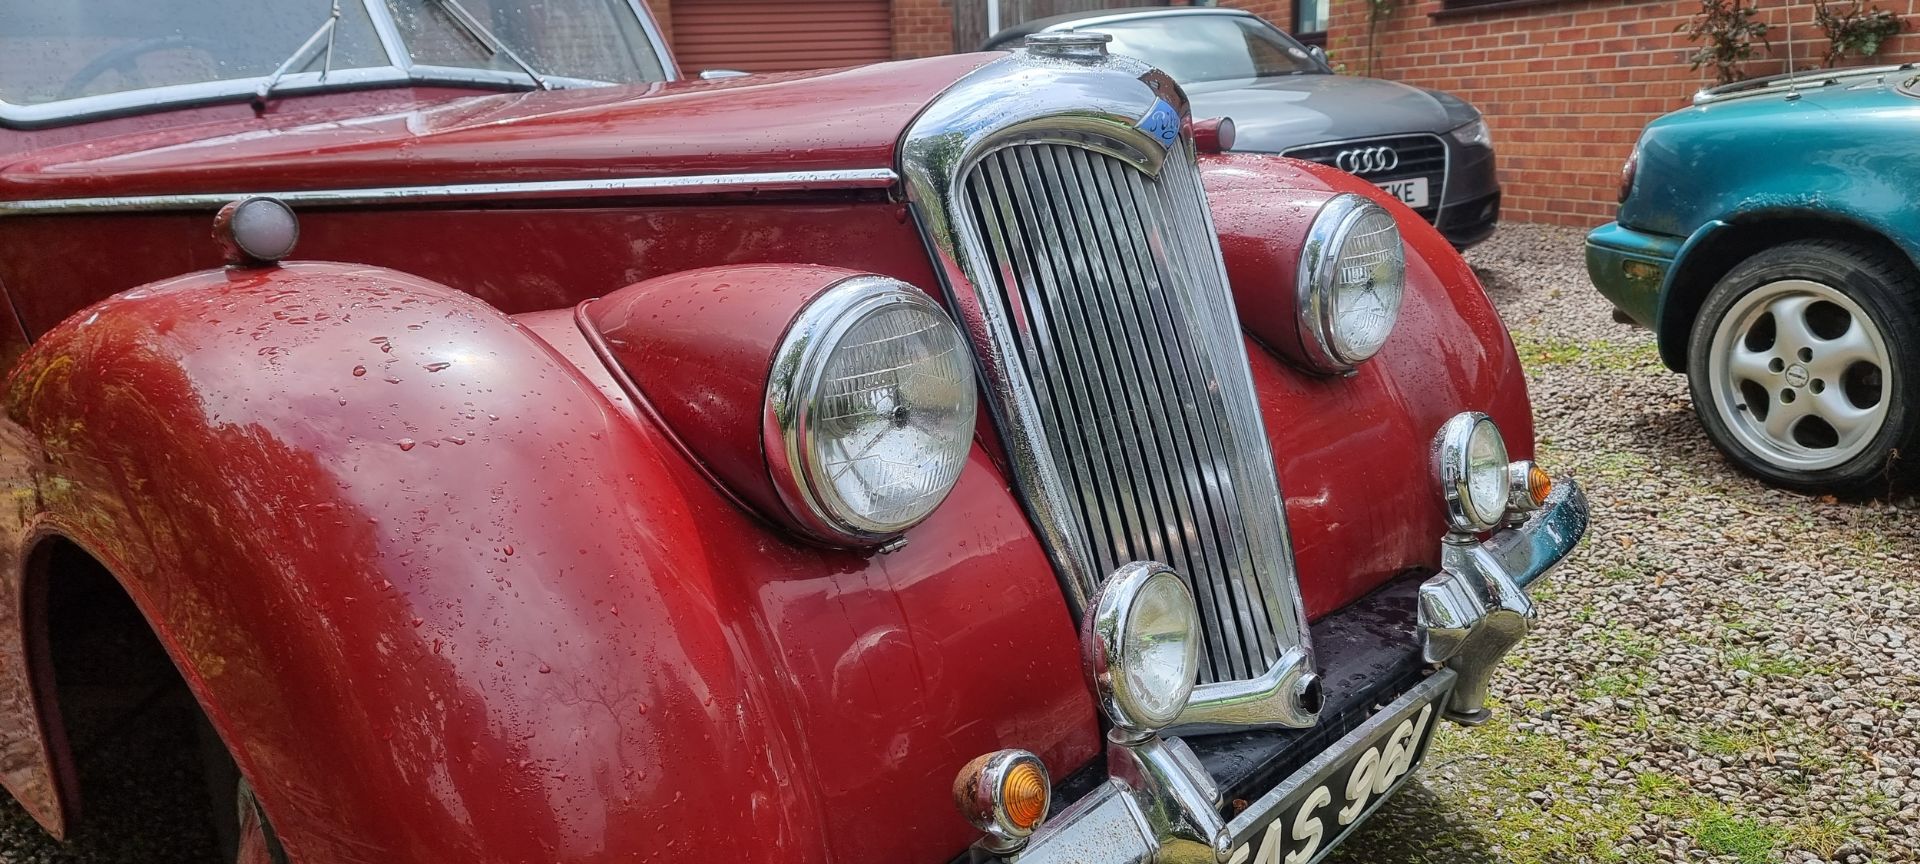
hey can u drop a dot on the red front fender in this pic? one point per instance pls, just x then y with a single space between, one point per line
449 599
444 603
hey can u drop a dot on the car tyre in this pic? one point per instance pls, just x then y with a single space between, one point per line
239 823
1801 365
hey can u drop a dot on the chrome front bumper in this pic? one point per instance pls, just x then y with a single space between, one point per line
1477 607
1159 804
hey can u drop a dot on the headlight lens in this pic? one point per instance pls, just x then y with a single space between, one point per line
1473 471
1353 276
1143 647
870 410
1627 172
1475 134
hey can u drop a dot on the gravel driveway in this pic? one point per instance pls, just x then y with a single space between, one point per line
1726 672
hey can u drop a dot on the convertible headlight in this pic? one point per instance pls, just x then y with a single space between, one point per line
1471 461
1141 645
1353 274
1475 134
870 410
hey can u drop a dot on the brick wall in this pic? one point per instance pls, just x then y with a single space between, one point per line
922 28
663 17
1566 86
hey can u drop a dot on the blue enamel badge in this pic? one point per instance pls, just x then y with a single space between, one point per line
1162 122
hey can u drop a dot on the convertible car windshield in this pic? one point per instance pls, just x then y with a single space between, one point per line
1195 48
59 50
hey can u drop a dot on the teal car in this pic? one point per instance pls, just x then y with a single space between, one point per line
1769 234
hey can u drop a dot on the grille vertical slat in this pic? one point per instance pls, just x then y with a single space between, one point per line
1235 570
1120 303
1195 240
1115 286
1085 431
1171 380
1011 248
1111 410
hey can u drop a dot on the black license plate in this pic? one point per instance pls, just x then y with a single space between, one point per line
1341 787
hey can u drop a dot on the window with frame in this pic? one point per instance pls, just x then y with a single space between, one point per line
1310 20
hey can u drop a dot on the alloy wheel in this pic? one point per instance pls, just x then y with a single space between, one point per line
1800 374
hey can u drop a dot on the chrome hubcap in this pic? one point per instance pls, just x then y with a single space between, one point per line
1800 374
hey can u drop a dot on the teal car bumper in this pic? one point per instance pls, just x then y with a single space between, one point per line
1629 267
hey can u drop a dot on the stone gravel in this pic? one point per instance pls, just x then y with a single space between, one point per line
1725 672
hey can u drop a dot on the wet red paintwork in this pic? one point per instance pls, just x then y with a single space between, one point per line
797 121
696 347
1353 450
417 564
488 611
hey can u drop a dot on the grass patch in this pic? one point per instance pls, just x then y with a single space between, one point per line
1654 784
1823 838
1616 684
1871 542
1511 763
1767 667
1630 642
1723 832
1570 831
1602 353
1721 743
1617 573
1618 466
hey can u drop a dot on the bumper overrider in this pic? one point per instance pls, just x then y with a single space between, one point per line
1159 802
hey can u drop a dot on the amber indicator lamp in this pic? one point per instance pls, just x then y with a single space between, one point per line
1539 484
1005 795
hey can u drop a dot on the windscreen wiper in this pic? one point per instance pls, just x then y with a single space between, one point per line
299 57
485 37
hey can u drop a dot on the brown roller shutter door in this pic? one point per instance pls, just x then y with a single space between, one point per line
780 35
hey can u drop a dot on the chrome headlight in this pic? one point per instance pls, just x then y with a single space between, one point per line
1141 645
1353 274
870 410
1471 460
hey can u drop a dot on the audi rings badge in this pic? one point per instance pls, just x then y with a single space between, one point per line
1367 160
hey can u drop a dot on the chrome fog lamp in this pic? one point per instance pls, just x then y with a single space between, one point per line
1471 461
1353 275
870 410
1141 646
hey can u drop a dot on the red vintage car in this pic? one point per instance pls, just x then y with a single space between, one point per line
519 468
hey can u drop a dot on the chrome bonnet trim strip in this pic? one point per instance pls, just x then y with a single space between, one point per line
770 181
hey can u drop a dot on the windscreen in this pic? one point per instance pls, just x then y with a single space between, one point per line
1196 48
54 50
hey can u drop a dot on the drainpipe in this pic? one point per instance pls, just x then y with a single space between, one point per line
993 18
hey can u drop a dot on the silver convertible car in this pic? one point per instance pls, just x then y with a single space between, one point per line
1427 148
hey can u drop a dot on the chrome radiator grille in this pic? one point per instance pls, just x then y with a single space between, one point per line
1128 341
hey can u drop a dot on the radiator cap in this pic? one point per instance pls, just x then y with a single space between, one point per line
1071 44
